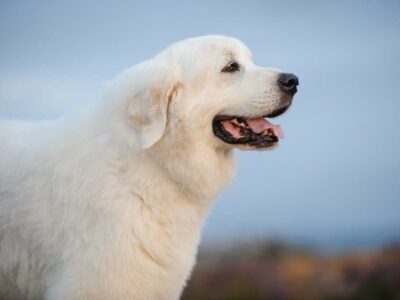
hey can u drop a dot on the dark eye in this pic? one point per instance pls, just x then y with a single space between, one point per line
233 66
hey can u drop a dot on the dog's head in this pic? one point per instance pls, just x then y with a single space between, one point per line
208 90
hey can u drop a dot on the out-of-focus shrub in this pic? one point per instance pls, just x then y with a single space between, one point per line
274 271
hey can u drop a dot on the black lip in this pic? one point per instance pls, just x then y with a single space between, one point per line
250 138
278 112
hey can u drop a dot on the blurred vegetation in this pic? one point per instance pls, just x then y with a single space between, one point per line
276 271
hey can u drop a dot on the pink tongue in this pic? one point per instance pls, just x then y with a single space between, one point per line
259 125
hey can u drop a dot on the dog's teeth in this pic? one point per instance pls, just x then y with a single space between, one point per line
239 122
265 133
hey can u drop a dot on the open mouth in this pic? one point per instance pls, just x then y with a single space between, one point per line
253 132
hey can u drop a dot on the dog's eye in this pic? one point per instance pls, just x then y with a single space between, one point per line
233 66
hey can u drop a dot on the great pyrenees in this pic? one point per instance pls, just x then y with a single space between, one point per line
109 203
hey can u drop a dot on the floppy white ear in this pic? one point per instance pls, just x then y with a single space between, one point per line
149 107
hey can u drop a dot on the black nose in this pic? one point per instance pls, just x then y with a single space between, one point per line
288 82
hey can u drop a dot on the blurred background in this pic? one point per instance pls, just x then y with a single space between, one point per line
318 218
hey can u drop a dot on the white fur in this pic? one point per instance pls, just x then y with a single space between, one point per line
109 203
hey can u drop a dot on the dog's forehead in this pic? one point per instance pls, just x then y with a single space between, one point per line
211 47
221 45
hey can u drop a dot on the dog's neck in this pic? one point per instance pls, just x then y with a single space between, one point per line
213 170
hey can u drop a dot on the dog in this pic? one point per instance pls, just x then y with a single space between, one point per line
109 202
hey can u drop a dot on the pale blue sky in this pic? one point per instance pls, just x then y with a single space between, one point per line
334 181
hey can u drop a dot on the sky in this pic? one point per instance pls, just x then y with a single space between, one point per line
334 181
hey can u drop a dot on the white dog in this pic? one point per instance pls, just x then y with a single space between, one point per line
110 203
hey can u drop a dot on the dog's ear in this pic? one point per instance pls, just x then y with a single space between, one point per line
148 108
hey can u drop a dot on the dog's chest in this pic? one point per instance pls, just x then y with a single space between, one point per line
166 246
